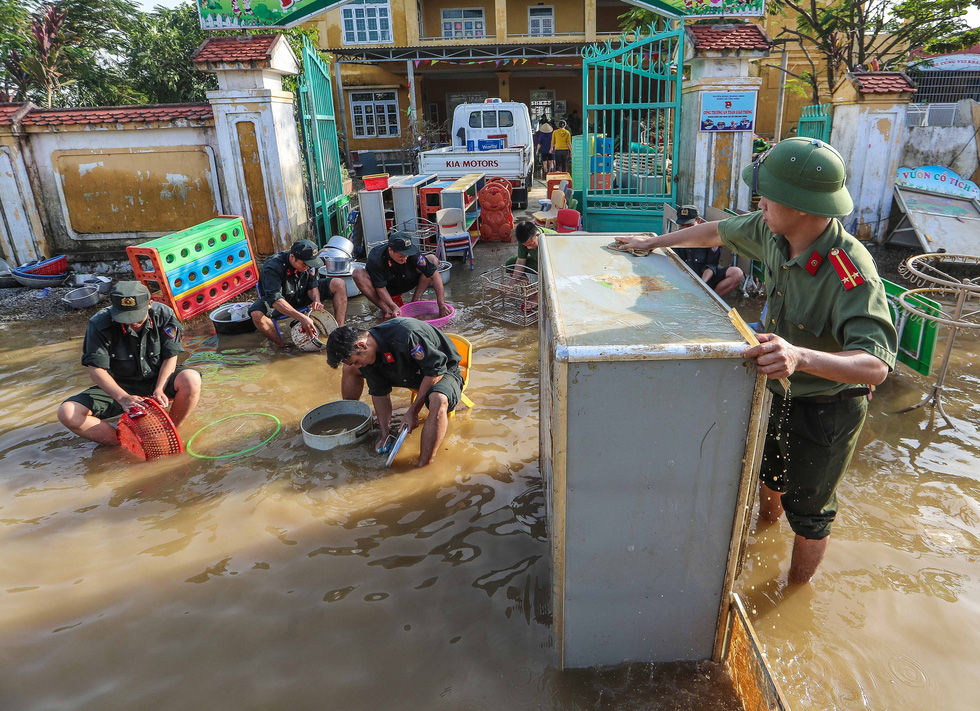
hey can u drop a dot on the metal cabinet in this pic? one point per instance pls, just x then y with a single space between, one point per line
405 196
651 427
378 212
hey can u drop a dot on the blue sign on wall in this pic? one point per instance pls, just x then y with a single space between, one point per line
728 111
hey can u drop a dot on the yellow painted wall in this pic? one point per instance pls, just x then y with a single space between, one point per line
331 27
159 189
569 16
432 14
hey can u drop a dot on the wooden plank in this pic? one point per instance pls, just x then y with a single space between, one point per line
746 665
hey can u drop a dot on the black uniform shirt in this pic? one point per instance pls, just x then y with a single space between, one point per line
278 280
397 278
699 258
408 350
131 356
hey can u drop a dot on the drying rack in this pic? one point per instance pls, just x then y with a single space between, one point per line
931 273
510 295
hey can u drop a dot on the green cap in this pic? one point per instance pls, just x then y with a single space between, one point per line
805 174
130 302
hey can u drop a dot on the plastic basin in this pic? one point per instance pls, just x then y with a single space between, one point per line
232 319
415 309
333 409
379 181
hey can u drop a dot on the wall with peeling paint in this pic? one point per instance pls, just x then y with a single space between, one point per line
104 186
869 133
953 147
21 230
710 162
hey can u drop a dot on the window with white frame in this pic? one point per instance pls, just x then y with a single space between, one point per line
366 22
541 21
463 23
374 114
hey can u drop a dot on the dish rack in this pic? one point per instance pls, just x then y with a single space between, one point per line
511 296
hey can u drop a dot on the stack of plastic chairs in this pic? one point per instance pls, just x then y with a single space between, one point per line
453 235
550 218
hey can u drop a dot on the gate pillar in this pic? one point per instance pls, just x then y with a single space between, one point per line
711 160
259 159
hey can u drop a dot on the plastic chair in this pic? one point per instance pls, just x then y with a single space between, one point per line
465 349
550 217
453 235
568 221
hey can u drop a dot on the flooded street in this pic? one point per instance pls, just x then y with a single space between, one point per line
892 616
293 578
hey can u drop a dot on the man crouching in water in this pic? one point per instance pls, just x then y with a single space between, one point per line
401 353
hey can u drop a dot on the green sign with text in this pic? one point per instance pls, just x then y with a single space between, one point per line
252 14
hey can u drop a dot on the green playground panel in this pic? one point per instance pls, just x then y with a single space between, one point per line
189 245
916 340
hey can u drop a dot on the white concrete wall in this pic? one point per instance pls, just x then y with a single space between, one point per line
710 162
21 231
953 147
870 137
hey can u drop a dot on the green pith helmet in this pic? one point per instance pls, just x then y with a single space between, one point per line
805 174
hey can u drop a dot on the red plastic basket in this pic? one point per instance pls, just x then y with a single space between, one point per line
378 181
49 267
149 433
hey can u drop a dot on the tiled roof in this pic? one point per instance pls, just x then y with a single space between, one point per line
918 53
729 37
119 114
6 111
226 50
882 82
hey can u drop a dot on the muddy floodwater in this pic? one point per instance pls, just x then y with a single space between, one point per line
288 578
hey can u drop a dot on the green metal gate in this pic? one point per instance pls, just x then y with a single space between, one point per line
321 152
632 95
815 122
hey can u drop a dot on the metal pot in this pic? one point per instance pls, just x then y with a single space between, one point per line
335 261
82 298
444 270
332 409
341 243
104 284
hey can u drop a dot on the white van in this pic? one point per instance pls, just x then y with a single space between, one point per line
493 119
493 138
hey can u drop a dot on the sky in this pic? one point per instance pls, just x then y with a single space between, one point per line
972 15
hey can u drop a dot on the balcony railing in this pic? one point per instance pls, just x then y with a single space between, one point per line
464 37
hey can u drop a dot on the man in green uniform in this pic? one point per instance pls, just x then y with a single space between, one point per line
401 353
526 234
288 283
828 330
130 350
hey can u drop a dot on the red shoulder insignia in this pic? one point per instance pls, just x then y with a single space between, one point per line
814 262
846 271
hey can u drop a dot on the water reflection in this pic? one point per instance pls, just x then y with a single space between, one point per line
288 577
285 576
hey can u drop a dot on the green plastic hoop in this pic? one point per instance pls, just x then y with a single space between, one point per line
264 442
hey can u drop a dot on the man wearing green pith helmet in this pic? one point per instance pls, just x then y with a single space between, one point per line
828 330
